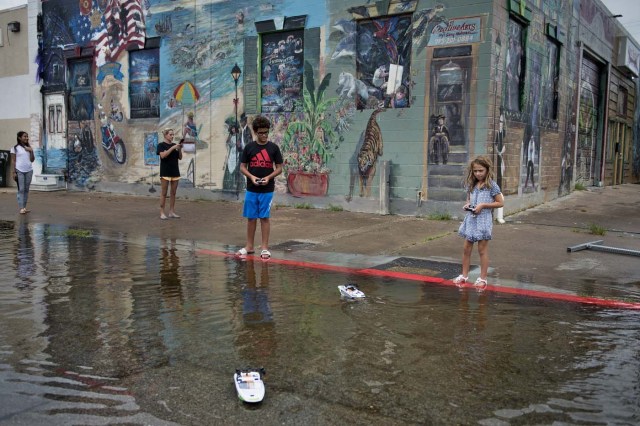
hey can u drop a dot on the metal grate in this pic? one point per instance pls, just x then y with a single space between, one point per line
422 266
294 245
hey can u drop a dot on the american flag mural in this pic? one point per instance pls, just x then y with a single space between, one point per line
122 24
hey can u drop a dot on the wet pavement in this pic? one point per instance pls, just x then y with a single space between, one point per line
109 315
528 252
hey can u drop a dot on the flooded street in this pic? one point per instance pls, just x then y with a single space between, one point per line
102 328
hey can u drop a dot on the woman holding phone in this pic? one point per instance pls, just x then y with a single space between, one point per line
170 153
22 156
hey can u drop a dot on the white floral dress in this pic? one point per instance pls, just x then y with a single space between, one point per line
478 227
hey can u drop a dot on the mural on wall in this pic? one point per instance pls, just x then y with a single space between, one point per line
109 118
80 90
83 157
588 120
530 160
310 139
112 142
144 83
424 22
530 165
381 43
570 91
449 103
364 169
550 82
122 24
54 150
188 96
232 179
282 66
597 19
192 49
456 31
55 35
150 149
566 165
515 67
439 141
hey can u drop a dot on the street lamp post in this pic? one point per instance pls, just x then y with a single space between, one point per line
235 73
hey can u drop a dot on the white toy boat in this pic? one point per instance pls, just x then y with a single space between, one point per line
249 384
350 291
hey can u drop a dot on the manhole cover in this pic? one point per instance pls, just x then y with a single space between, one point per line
294 245
422 266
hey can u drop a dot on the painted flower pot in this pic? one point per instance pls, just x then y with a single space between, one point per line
307 184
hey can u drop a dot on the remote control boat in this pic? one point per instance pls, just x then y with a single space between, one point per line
249 384
350 291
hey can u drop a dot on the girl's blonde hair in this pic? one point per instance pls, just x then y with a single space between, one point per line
471 181
166 130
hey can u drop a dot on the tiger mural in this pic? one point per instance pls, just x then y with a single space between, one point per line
368 154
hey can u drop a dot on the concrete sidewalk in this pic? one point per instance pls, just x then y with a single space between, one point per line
529 251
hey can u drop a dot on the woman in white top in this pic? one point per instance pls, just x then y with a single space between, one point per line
22 156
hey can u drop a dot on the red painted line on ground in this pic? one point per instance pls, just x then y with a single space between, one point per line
607 303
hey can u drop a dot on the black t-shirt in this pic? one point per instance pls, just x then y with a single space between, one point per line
261 160
169 164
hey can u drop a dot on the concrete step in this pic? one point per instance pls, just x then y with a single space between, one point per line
446 181
446 194
47 183
451 168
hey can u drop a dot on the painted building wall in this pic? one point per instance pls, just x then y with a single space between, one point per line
14 76
520 81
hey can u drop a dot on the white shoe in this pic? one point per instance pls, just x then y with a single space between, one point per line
480 284
460 279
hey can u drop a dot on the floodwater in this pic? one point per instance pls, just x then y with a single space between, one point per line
107 329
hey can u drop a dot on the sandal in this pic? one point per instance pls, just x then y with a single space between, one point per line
243 252
480 284
23 211
174 216
265 254
460 280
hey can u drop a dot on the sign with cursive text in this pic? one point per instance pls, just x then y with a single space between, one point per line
456 31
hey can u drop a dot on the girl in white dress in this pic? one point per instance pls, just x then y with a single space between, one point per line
483 195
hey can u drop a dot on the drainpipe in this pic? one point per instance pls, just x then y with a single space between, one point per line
500 215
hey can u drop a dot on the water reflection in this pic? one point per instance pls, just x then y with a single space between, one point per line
24 255
256 338
97 328
170 285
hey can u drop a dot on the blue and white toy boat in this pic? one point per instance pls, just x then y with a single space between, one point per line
350 291
249 384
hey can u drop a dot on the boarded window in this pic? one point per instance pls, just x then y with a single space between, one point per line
381 43
144 83
516 66
281 67
80 92
551 79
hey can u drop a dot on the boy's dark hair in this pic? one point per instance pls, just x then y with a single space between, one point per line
260 122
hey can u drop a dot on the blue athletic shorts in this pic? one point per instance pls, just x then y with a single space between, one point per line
257 205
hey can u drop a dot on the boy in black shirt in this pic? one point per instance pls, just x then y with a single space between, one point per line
261 162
